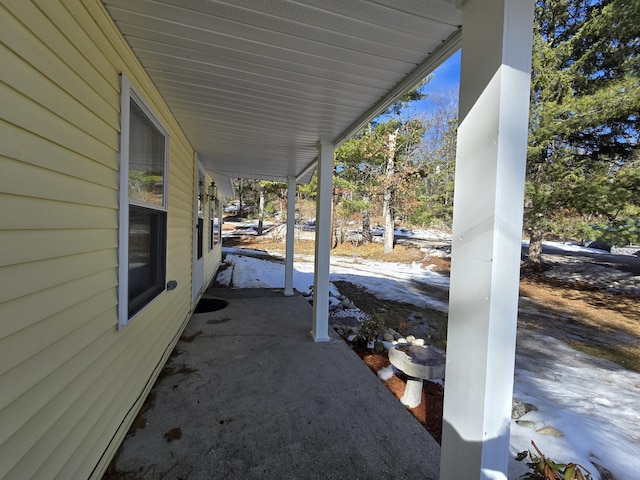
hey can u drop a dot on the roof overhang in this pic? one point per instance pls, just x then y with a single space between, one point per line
255 85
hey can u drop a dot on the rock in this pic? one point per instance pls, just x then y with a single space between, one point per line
599 245
387 337
526 423
337 307
340 332
419 342
519 408
402 341
345 302
549 430
411 338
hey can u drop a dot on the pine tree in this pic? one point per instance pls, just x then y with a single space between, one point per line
375 163
584 119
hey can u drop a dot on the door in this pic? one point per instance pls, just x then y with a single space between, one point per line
198 234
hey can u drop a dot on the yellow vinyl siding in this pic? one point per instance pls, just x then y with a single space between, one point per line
25 342
51 243
51 215
24 311
70 383
27 279
20 144
23 179
81 66
23 112
55 99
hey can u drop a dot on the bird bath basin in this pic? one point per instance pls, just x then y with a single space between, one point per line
418 363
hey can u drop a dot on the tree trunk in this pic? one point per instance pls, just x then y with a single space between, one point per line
366 225
534 259
261 213
240 205
388 204
389 224
334 230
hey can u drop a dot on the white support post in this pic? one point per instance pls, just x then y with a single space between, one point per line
320 328
291 225
487 234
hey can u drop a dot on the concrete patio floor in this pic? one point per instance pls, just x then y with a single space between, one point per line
247 394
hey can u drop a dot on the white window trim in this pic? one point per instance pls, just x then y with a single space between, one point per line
127 93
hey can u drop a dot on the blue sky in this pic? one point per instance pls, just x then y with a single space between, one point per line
445 77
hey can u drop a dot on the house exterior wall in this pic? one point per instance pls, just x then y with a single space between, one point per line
70 382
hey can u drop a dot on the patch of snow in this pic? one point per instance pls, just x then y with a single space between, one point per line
224 276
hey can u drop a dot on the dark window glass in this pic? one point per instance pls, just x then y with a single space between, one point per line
200 237
147 246
211 234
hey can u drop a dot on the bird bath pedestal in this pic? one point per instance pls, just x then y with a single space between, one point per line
418 363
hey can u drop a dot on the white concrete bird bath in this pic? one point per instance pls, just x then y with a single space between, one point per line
418 363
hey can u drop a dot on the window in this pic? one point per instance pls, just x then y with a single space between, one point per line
215 230
143 206
212 204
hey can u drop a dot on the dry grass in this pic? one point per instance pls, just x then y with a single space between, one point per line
611 323
371 251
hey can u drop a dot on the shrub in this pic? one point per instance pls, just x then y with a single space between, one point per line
543 468
371 329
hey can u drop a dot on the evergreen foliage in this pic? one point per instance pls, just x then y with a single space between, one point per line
583 135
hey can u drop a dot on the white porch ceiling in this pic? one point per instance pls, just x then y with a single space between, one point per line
255 84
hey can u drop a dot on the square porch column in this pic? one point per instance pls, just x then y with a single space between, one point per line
487 236
320 327
291 225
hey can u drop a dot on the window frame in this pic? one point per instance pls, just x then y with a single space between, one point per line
129 94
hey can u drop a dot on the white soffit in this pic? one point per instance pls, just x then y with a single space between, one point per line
255 84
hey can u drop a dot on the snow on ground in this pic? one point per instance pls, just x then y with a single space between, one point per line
593 402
